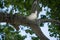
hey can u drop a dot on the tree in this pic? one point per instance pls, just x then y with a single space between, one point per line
25 8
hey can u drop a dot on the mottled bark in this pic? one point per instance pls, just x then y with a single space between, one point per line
16 20
20 20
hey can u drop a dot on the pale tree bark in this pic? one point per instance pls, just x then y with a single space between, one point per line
35 26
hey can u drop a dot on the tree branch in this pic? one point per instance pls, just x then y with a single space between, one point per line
16 20
21 20
48 20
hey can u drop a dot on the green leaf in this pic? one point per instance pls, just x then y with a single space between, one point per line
29 31
35 38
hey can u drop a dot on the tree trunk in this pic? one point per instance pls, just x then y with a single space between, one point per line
20 20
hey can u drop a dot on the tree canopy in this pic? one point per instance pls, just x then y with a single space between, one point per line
18 12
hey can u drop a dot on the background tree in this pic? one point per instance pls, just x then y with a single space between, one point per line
18 13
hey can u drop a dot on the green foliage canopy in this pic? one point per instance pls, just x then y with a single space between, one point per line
25 6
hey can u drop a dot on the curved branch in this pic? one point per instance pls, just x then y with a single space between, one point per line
38 31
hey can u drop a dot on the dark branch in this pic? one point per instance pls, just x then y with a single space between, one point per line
21 20
48 20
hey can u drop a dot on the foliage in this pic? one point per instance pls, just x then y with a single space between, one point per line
29 31
21 5
24 6
10 33
54 13
34 38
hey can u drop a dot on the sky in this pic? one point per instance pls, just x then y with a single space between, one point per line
46 32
